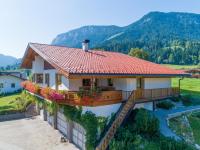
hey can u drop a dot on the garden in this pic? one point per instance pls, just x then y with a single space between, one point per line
187 126
141 131
13 103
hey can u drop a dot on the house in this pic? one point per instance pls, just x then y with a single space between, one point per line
120 82
10 82
195 73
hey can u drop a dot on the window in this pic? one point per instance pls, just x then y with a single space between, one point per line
39 78
110 82
139 82
33 77
58 79
47 79
12 85
86 82
1 85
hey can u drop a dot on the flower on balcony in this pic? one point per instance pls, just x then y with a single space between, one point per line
55 95
45 92
31 87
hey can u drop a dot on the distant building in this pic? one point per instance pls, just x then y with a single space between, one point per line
10 81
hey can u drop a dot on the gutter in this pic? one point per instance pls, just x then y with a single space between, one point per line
179 84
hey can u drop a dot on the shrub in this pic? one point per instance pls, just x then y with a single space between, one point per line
186 100
166 143
146 123
175 99
165 105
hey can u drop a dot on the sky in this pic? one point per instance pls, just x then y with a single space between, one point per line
24 21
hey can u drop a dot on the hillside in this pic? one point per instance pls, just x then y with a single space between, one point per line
7 60
168 37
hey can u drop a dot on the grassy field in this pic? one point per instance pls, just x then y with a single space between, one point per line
8 104
182 66
189 86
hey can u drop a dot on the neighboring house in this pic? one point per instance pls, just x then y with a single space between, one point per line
119 77
10 82
195 73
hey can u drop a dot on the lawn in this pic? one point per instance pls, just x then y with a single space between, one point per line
188 85
190 133
195 125
7 103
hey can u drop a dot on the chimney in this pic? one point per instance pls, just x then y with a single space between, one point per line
85 45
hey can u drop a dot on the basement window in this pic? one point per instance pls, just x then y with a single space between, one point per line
12 85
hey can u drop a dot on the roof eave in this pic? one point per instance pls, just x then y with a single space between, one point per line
128 75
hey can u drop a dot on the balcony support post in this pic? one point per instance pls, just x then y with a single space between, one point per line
179 86
55 117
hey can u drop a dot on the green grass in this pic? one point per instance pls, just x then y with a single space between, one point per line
182 66
7 103
195 125
180 129
189 86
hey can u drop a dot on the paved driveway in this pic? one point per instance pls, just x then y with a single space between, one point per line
30 134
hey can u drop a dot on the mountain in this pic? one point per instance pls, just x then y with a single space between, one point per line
7 60
96 34
167 37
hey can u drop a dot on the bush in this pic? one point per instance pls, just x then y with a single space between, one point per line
146 123
165 105
171 144
145 126
175 99
186 100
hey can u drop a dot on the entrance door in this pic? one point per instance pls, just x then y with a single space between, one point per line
140 88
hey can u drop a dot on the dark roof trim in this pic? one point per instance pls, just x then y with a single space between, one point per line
12 76
130 75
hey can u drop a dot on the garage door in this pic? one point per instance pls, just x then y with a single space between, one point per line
79 136
61 123
49 119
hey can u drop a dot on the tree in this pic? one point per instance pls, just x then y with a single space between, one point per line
139 53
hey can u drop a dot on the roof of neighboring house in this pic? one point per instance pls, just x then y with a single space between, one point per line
78 62
11 74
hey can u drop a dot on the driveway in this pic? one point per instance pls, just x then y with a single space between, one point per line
30 134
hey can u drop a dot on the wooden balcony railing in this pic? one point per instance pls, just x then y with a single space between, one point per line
153 94
102 98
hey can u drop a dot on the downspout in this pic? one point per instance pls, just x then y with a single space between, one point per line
179 84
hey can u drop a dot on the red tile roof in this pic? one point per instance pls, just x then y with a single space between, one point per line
77 61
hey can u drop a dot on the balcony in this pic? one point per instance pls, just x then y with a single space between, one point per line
155 94
100 98
97 99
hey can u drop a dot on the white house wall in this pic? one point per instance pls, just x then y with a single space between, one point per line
65 84
153 83
52 77
75 84
7 81
147 105
38 65
103 82
125 84
104 111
